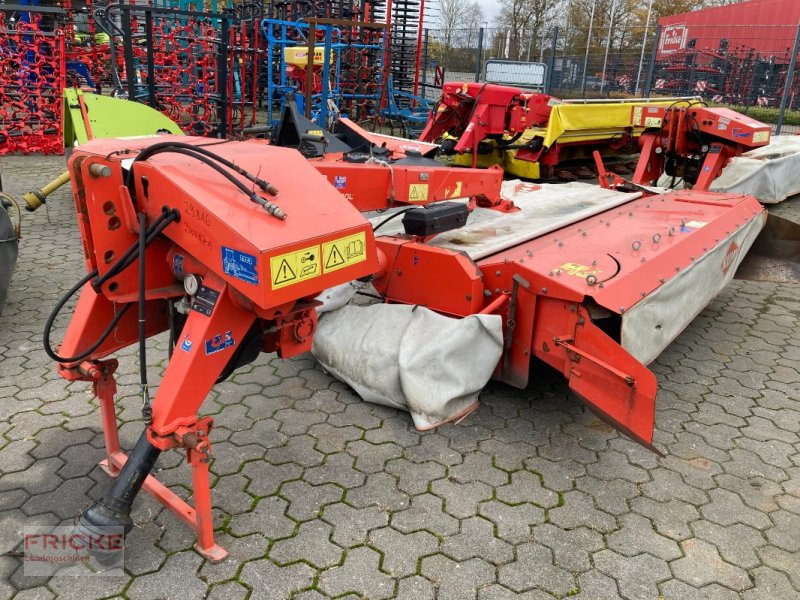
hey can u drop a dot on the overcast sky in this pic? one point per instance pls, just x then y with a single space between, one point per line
490 9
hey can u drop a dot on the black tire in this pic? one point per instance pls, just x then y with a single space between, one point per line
9 248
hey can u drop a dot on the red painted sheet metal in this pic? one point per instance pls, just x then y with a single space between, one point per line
620 256
767 27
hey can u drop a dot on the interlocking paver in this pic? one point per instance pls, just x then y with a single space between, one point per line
426 513
678 589
402 551
702 565
270 581
457 580
571 548
736 543
530 497
351 526
513 523
311 543
267 517
769 583
671 518
476 540
534 568
781 560
727 508
306 501
170 581
637 535
577 509
359 573
637 576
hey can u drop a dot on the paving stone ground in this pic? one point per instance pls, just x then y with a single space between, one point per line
319 495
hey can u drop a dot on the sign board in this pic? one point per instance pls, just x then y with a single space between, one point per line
509 72
673 38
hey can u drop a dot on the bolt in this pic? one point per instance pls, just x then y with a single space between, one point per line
544 290
498 273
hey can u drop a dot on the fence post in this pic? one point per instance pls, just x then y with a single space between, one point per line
551 62
480 56
651 64
789 80
222 82
424 85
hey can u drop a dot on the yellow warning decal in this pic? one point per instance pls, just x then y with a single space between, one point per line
652 122
637 115
418 192
294 267
344 252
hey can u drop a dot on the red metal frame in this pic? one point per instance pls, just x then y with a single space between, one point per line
543 289
683 131
551 291
214 216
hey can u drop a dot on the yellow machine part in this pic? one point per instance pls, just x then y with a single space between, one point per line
569 123
298 56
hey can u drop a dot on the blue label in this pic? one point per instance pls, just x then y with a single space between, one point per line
340 182
240 265
219 342
177 265
186 344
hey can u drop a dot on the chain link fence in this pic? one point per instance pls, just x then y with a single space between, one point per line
749 68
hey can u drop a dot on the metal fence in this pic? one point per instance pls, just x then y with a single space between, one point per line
749 68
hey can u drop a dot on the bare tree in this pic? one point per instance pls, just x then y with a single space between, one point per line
453 15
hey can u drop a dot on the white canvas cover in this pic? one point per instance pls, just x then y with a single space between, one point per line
769 173
411 358
543 208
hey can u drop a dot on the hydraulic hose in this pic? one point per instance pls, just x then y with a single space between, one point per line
214 163
261 183
124 261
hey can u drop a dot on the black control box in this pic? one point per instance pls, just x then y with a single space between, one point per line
434 218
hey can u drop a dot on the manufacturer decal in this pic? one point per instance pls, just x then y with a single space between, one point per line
578 270
690 226
730 256
177 265
294 267
186 344
455 192
219 343
239 265
525 186
738 133
344 252
340 182
760 136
